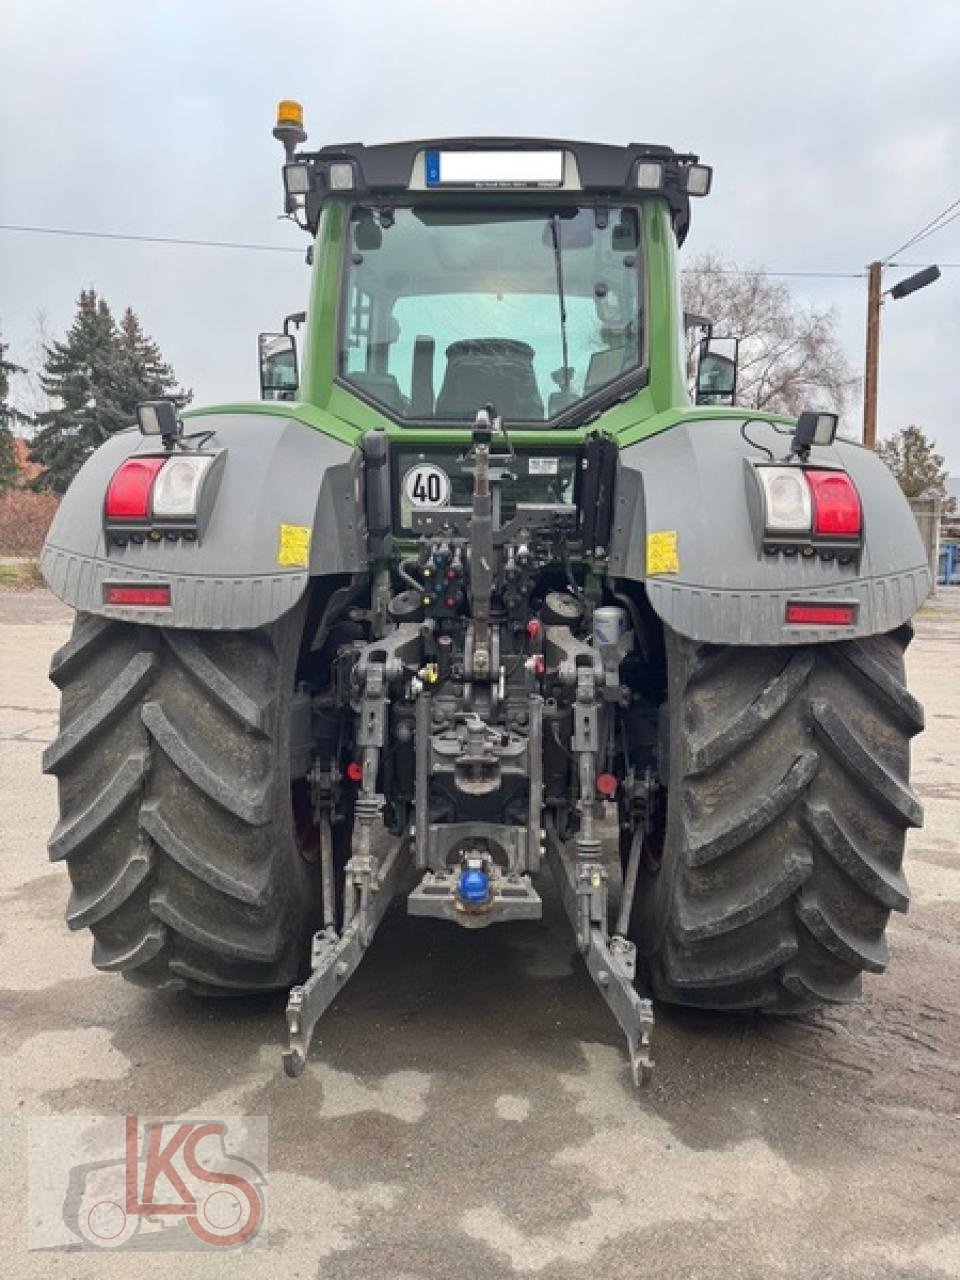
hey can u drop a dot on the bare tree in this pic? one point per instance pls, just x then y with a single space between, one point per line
790 358
26 392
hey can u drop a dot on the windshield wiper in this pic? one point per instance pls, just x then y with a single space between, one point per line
566 371
584 411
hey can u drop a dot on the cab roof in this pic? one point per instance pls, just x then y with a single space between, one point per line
550 166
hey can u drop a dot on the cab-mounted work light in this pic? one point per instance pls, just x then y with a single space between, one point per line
296 179
699 179
649 175
340 176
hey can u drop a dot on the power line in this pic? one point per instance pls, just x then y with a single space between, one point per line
747 271
928 229
939 227
193 242
118 235
277 248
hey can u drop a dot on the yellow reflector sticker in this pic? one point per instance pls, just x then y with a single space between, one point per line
294 549
662 554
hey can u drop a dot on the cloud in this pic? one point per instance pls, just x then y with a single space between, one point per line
832 128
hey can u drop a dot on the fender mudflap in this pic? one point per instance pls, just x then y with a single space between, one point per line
220 603
750 617
289 507
684 527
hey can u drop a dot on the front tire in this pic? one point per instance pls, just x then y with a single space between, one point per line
788 805
176 820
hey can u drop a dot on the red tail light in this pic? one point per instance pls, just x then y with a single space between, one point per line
128 494
821 615
836 503
137 595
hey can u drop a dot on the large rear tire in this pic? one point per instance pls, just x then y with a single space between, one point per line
176 820
788 805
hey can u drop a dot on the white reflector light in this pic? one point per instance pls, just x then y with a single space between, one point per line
177 487
786 500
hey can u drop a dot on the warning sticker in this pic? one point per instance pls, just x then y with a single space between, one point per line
294 548
662 554
544 467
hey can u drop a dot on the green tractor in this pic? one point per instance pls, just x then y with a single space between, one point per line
474 588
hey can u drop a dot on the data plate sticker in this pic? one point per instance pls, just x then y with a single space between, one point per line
662 555
294 549
544 466
426 485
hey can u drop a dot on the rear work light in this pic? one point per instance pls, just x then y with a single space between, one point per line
822 615
128 493
151 595
836 504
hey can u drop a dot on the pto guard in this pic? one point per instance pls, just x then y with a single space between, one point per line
682 526
288 508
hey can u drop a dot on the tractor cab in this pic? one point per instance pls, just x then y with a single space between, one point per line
533 275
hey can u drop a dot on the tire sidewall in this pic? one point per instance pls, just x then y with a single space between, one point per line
654 892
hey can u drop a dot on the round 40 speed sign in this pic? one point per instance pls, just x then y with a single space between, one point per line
426 485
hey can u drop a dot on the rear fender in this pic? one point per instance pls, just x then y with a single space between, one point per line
691 482
289 507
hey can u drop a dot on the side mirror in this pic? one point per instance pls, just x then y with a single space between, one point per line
717 371
279 376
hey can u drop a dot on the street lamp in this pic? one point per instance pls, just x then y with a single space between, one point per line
872 368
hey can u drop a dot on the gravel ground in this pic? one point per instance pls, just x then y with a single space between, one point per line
467 1110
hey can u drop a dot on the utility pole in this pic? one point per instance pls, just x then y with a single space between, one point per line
872 363
871 372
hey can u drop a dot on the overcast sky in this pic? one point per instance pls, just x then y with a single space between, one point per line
833 128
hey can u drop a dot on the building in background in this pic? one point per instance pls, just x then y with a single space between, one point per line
948 563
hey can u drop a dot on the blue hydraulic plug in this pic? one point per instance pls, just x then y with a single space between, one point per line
474 886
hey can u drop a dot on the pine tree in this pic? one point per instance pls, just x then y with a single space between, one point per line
8 416
99 373
149 376
84 372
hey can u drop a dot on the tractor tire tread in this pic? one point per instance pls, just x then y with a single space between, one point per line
788 809
176 822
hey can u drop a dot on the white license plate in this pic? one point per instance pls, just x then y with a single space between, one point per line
494 168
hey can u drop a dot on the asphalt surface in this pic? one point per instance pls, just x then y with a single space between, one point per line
467 1111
